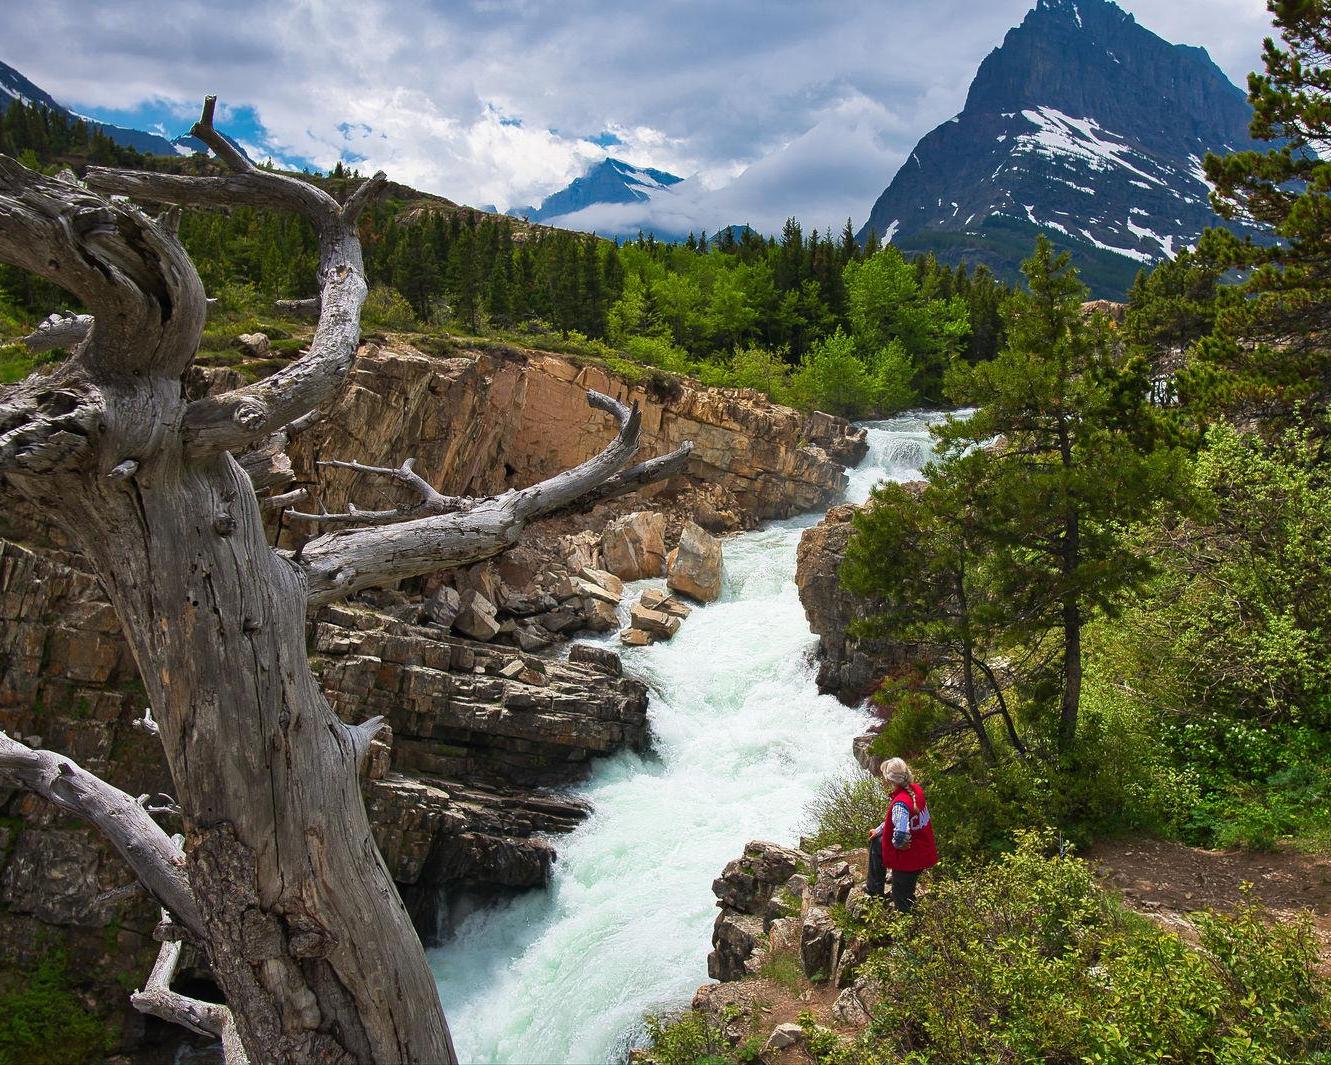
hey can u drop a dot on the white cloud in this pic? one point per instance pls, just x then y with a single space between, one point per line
769 108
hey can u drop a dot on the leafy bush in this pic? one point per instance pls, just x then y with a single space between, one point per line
386 308
1027 960
845 811
688 1039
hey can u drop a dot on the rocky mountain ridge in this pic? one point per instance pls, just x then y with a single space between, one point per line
1083 125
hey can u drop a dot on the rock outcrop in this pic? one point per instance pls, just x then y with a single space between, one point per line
778 902
479 421
849 667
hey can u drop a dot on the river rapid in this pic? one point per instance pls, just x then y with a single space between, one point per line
742 740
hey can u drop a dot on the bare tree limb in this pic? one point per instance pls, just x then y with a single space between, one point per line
286 499
67 330
429 501
203 1018
339 563
146 723
234 419
142 291
149 851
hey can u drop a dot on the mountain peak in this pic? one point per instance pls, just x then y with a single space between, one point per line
1084 125
609 181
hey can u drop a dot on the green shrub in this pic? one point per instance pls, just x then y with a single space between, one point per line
386 308
42 1022
845 811
1026 959
689 1039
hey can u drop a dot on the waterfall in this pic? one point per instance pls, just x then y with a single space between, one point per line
741 742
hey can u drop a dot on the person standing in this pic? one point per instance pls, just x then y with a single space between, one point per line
904 842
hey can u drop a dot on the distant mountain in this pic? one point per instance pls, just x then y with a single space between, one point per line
1084 125
609 182
14 86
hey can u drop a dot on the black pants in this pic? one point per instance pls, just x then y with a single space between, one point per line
903 884
903 889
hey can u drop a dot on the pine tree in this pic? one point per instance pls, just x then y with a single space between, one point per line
1080 456
1269 353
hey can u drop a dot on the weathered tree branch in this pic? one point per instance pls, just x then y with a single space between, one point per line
340 563
148 850
203 1018
67 330
429 501
234 419
142 291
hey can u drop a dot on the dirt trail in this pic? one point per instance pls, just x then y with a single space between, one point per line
1170 880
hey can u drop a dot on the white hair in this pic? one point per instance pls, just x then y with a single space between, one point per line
896 771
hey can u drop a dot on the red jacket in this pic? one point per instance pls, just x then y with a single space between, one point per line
920 851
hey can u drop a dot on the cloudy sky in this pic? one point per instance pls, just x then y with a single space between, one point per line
771 107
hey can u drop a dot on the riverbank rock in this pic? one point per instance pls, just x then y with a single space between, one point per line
655 599
656 623
849 667
633 547
747 893
694 566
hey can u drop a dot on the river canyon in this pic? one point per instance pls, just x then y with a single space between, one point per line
741 741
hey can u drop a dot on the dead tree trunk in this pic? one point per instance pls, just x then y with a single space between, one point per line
300 920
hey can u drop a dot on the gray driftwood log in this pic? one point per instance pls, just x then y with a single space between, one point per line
284 889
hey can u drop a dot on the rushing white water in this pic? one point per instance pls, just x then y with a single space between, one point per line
741 742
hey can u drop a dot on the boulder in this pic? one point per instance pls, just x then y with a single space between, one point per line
655 599
476 618
602 658
783 1035
599 616
255 345
634 546
654 621
635 638
604 579
531 638
443 607
695 565
820 944
580 586
854 1005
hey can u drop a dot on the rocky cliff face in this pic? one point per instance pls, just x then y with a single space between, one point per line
481 732
849 667
478 422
